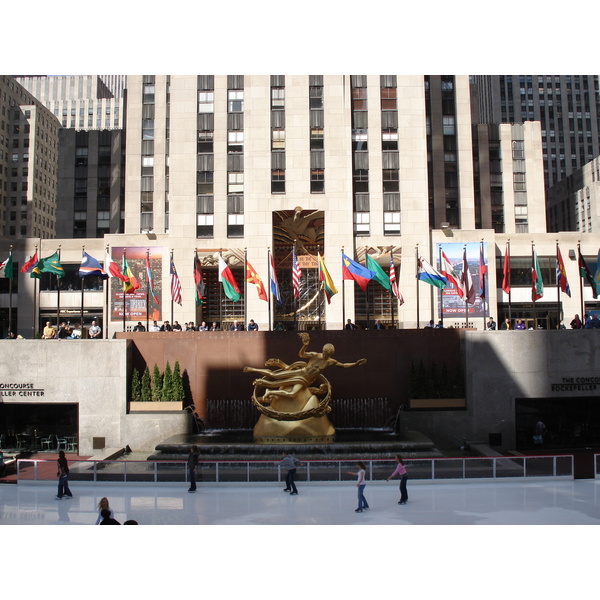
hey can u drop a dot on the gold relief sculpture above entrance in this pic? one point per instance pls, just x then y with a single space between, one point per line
294 399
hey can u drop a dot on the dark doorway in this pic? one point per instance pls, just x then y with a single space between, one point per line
572 422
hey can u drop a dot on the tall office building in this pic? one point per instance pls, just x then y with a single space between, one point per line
81 102
567 106
28 164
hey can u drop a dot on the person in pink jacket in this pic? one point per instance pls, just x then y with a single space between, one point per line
401 470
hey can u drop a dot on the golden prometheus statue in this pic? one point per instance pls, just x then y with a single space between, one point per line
295 401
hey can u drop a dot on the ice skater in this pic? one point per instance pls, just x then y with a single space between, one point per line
401 470
290 463
360 484
63 476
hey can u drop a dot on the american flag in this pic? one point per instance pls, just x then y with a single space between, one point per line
393 283
175 284
296 274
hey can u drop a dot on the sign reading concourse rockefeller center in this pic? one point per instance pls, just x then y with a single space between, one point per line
576 384
19 389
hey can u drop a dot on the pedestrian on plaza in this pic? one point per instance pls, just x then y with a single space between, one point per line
63 476
94 333
520 326
139 327
105 513
236 326
401 470
214 326
360 484
252 326
379 325
576 322
350 325
192 463
290 463
104 505
491 324
506 325
49 333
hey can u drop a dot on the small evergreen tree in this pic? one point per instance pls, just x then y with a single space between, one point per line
422 386
156 384
412 382
146 386
136 386
458 383
178 391
445 391
167 384
433 382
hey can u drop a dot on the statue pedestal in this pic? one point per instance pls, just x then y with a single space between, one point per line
314 430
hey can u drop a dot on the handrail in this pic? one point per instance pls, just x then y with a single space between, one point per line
318 470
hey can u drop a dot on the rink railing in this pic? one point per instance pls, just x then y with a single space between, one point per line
321 471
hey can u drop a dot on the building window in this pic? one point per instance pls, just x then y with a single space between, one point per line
388 98
448 125
316 97
205 182
235 225
278 181
205 216
235 101
205 142
359 98
359 140
389 139
317 181
361 181
206 102
391 223
235 141
361 223
391 182
316 138
278 139
235 183
277 98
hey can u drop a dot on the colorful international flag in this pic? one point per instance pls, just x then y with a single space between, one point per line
328 287
150 279
356 272
50 264
561 274
90 266
273 281
537 285
482 272
393 284
31 262
586 273
111 267
380 276
467 280
426 273
6 268
228 281
131 284
296 274
175 284
506 270
253 278
597 274
450 274
199 281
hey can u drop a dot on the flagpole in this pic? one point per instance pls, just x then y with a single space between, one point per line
417 281
509 286
465 279
148 292
481 266
220 296
124 301
82 292
320 286
245 287
107 303
580 283
534 308
367 296
58 295
343 293
391 290
441 291
558 288
295 300
10 287
35 303
270 279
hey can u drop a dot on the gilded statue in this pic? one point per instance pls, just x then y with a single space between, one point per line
295 401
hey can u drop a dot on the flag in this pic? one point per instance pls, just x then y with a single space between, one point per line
393 283
537 286
482 272
253 278
355 271
200 285
597 275
229 285
296 274
28 266
273 281
130 284
50 264
429 275
324 276
112 268
467 280
90 266
150 279
506 271
175 284
449 273
380 276
6 268
561 274
586 273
